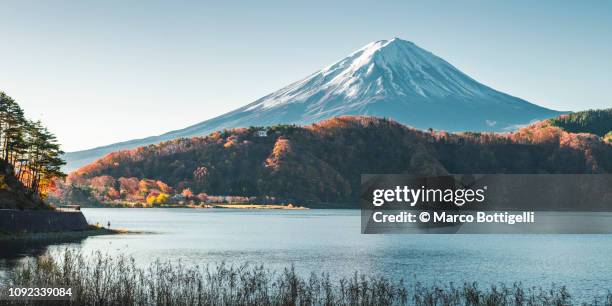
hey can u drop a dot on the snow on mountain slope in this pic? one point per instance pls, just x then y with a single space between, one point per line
384 68
388 78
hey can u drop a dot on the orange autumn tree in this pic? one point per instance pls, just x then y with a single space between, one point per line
29 148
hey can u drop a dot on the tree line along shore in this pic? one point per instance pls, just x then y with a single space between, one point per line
323 162
30 164
30 158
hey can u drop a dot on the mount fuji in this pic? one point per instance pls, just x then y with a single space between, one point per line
387 78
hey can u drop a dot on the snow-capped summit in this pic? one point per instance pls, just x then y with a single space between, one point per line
397 79
385 68
387 78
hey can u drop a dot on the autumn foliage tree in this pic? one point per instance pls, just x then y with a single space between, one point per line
27 146
323 162
608 137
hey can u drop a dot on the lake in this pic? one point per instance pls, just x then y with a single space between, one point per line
330 241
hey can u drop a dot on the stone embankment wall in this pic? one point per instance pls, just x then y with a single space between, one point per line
30 221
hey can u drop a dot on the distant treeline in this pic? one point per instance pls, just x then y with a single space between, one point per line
28 148
322 163
598 122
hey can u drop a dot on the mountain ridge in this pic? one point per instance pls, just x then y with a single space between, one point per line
323 162
386 78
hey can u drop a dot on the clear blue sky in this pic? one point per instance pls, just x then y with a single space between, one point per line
98 72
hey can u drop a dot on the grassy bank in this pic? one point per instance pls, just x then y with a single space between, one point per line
102 280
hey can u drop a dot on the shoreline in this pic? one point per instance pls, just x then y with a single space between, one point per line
202 206
64 235
254 206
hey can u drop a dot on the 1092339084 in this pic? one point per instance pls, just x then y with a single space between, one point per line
36 293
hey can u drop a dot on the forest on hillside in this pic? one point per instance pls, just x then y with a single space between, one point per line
30 158
321 163
594 121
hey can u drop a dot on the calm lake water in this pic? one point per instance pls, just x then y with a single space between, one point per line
330 241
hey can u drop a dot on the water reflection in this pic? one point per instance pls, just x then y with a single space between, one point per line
12 252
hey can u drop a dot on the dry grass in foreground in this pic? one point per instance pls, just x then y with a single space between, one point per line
104 280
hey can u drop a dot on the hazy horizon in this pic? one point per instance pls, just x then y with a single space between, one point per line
100 73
